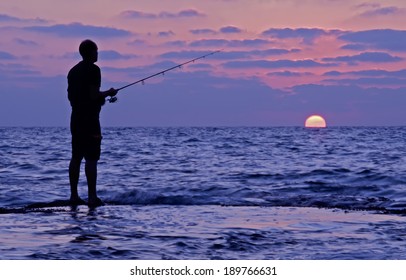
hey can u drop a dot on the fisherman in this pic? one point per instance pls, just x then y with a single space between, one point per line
86 99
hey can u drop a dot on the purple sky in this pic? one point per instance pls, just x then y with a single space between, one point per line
282 61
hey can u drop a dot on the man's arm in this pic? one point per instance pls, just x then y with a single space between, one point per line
96 94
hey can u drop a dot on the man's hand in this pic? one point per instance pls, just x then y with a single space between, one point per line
112 92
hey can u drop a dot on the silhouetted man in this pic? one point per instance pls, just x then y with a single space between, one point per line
86 99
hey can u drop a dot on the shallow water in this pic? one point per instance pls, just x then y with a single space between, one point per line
209 193
202 232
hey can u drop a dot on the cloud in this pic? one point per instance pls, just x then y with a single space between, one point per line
274 52
370 82
249 43
369 78
185 54
201 66
210 43
31 101
203 31
13 19
288 74
369 73
382 39
285 63
188 13
177 43
113 55
24 42
142 71
131 71
230 43
368 5
164 34
7 18
232 55
138 15
138 42
355 47
228 55
324 98
377 57
13 71
103 55
308 35
80 30
6 56
198 98
230 30
222 30
385 11
350 104
333 73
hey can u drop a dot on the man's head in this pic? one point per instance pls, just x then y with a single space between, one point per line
88 50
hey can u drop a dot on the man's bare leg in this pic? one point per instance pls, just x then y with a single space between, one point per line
74 171
91 175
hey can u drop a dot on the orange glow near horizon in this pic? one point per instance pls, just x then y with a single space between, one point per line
315 121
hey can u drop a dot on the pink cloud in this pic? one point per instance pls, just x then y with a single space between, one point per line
384 11
188 13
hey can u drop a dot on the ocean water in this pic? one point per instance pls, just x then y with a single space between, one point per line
209 193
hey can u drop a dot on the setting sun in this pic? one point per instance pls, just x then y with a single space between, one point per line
315 121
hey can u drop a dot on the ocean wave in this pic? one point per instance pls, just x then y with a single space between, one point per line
346 168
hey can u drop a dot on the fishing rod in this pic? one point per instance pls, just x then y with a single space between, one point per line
114 99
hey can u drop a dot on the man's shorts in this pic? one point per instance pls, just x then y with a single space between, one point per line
86 146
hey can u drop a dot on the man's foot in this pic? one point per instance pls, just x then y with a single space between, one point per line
76 201
95 202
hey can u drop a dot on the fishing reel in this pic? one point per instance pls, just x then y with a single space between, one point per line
112 99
